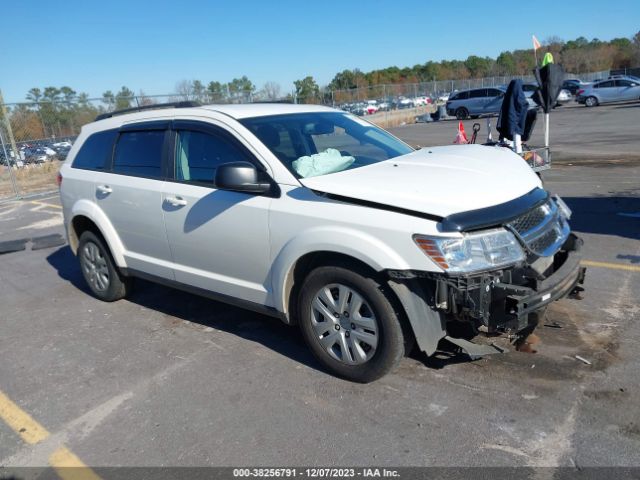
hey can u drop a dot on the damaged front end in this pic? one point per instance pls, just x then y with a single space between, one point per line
509 299
504 301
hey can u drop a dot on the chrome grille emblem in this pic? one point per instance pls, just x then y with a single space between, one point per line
542 230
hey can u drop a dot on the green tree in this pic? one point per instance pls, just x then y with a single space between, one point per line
307 90
109 99
217 92
124 98
34 95
241 89
199 91
506 63
68 95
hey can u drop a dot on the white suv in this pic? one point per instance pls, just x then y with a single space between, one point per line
322 219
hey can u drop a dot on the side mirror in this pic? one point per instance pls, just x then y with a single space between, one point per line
240 177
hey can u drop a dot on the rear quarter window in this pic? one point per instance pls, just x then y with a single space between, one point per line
95 152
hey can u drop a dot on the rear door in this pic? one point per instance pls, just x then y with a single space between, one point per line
219 239
130 193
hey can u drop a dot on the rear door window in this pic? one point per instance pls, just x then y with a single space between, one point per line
95 153
139 153
478 93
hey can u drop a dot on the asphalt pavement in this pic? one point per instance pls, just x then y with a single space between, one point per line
606 134
166 378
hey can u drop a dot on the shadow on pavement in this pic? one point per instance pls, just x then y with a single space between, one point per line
267 331
633 105
607 215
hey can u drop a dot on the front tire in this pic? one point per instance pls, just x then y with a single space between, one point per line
349 323
99 270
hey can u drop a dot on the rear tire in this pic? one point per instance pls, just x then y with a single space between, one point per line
462 113
591 102
103 278
349 323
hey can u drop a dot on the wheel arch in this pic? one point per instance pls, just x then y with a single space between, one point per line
87 216
324 247
593 95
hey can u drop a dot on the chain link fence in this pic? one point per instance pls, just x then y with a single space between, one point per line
36 136
434 89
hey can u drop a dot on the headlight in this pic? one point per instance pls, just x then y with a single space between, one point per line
472 252
564 209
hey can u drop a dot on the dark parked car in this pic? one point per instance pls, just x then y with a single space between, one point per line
573 85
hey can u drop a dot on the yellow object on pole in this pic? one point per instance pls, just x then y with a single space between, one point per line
547 59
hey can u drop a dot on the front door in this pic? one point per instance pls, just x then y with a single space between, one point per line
628 90
219 239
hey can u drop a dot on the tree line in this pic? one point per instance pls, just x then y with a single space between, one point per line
60 111
577 56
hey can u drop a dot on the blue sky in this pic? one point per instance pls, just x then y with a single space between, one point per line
151 45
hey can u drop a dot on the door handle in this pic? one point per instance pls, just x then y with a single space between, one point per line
104 189
176 201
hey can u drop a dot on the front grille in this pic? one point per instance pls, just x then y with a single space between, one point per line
542 230
529 220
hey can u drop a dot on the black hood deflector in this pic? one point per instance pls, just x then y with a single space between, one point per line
495 215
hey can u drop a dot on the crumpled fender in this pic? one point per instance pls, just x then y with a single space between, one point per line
428 325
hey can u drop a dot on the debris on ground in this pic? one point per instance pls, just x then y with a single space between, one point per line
583 360
553 325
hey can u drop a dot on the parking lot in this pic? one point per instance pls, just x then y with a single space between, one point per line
166 378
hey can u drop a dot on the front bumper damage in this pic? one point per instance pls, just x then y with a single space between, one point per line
502 301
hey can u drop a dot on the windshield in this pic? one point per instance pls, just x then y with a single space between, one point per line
320 143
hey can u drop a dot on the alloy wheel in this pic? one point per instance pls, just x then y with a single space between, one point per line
95 267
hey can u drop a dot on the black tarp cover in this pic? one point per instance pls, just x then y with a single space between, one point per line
513 112
550 78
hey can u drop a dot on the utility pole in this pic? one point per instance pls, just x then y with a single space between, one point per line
5 117
9 166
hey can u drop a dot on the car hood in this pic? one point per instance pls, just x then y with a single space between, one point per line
436 181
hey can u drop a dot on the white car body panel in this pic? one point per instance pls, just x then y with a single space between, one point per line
302 222
219 240
438 181
245 246
134 209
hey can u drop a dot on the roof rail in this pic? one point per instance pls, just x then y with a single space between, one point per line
184 104
272 101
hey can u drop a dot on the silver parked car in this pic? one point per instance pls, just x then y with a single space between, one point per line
475 102
530 88
605 91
